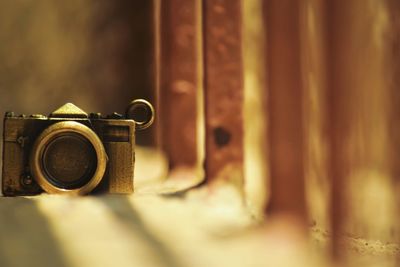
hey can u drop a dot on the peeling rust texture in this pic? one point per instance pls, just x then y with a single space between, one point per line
179 83
223 85
285 111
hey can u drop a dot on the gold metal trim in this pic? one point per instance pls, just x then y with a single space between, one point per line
48 134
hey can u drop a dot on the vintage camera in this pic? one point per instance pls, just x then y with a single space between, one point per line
72 152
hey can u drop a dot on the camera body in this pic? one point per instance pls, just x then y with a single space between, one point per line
69 151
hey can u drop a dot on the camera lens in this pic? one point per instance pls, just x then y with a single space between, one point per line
68 158
69 161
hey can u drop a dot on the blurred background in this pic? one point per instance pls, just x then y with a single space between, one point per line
95 54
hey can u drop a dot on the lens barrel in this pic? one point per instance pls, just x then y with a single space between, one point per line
68 157
69 161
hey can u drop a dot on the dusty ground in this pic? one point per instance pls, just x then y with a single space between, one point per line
197 229
201 227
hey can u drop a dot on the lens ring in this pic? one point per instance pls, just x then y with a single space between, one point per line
148 108
46 137
68 160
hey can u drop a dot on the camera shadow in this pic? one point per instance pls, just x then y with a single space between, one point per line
25 236
123 211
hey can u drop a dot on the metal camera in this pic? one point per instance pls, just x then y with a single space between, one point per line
71 151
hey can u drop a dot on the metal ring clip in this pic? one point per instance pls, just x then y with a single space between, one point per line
144 106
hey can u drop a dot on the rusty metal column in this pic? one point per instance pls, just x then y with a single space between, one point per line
395 106
363 104
285 110
339 113
179 71
223 85
394 55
